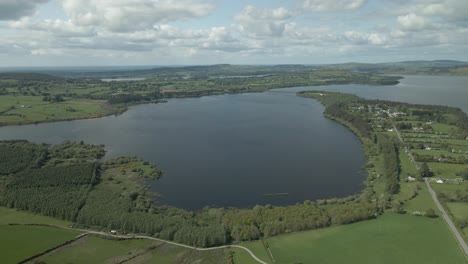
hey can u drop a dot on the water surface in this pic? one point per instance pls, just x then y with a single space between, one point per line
437 90
234 150
228 150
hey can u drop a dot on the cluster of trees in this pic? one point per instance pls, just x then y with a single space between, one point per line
342 112
391 164
113 210
74 152
53 191
132 98
404 126
442 158
18 155
55 98
339 106
262 221
425 170
463 174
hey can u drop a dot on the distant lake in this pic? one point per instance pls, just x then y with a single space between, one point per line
438 90
238 150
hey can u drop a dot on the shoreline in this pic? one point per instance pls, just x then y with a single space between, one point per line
125 108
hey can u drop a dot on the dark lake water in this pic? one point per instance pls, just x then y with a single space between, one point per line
234 150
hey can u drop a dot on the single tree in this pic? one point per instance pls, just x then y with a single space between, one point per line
425 170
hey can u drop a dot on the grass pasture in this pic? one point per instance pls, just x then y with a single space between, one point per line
94 250
13 216
421 202
241 256
446 170
20 242
459 210
29 109
173 254
391 238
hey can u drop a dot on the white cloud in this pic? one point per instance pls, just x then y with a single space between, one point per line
57 27
133 15
144 30
377 39
15 9
363 38
413 22
448 10
331 5
263 22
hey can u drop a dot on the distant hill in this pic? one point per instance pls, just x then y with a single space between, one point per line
30 76
436 67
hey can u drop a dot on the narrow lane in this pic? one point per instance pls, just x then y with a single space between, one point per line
447 219
85 231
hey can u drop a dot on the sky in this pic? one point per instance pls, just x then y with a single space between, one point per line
188 32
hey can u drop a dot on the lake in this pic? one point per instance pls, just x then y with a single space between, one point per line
437 90
238 150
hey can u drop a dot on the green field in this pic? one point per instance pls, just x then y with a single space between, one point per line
391 238
421 202
241 256
97 250
29 109
12 216
459 210
173 254
20 242
258 249
445 170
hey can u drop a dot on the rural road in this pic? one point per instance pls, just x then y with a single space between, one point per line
85 231
408 152
447 219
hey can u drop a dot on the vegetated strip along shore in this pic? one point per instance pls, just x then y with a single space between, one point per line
28 98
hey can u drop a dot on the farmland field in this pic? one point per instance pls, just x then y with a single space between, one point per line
391 238
96 250
12 216
20 242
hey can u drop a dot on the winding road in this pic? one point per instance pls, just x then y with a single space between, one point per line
92 232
